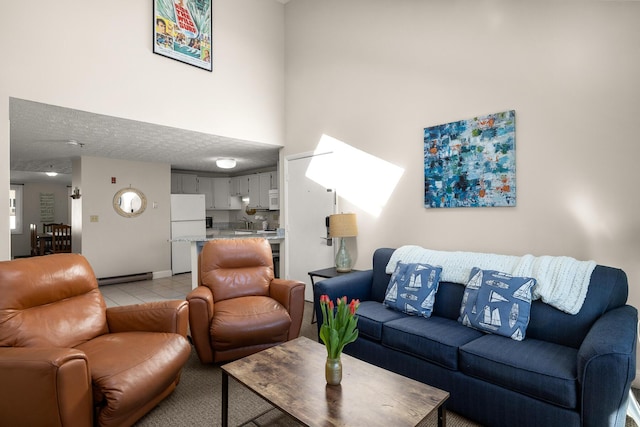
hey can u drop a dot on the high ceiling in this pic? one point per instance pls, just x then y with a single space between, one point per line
46 137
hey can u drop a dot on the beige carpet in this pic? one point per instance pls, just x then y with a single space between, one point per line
197 400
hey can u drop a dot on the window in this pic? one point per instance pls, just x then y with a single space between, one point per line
15 209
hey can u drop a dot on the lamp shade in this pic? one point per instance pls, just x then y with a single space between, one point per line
343 225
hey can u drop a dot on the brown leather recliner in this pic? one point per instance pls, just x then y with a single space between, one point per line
68 360
239 308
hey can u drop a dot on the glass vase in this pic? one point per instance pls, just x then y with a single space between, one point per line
333 371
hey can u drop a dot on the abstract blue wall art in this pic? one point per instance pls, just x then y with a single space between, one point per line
471 163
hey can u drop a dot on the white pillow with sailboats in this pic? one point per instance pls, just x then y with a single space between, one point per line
412 289
497 303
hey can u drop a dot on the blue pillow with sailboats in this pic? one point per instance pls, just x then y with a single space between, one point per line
497 303
412 289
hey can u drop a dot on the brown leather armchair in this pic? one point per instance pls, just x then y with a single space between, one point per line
68 360
239 308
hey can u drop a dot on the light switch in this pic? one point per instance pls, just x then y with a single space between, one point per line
93 218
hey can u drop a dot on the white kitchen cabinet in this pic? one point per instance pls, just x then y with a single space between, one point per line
221 193
205 186
259 186
254 191
223 197
184 183
273 179
217 194
240 186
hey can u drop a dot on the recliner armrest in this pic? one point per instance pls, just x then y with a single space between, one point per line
158 316
607 365
290 293
285 291
201 309
45 386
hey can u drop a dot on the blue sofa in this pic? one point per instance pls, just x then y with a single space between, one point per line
570 370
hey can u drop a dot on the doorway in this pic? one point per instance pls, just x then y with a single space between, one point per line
307 204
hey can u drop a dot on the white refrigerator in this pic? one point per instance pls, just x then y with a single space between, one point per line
187 220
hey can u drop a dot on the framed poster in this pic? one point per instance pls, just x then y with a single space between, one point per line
471 163
182 30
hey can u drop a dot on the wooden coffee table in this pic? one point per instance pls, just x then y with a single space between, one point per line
291 377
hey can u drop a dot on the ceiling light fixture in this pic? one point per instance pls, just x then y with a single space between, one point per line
226 163
51 172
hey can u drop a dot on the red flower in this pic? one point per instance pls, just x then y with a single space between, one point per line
353 306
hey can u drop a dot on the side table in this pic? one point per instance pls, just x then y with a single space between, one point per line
325 273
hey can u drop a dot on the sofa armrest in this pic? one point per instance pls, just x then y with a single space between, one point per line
356 285
158 316
607 365
40 385
201 309
353 285
290 293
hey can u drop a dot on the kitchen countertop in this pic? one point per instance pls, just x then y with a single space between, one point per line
230 234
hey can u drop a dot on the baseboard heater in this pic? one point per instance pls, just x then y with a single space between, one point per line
125 279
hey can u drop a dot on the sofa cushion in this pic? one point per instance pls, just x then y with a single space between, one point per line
412 289
248 321
538 369
129 369
435 339
497 302
371 316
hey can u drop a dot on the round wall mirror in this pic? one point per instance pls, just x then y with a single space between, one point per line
129 202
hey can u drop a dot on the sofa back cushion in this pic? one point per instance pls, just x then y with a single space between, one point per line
234 268
50 301
608 289
380 277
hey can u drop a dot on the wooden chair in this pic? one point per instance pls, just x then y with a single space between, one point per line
48 227
61 239
35 243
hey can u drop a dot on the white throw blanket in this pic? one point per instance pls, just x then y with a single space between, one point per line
562 281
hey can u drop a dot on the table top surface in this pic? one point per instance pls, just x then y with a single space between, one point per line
291 377
329 272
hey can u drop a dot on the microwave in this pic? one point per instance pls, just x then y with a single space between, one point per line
274 200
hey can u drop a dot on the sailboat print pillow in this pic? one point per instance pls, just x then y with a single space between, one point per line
498 303
412 289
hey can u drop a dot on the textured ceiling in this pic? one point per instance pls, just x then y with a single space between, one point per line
41 135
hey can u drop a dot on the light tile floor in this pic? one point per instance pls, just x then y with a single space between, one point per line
166 288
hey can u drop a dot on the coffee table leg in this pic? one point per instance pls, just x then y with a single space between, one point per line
313 307
225 399
442 416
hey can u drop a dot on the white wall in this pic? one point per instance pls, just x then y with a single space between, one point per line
98 58
21 243
374 73
116 245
